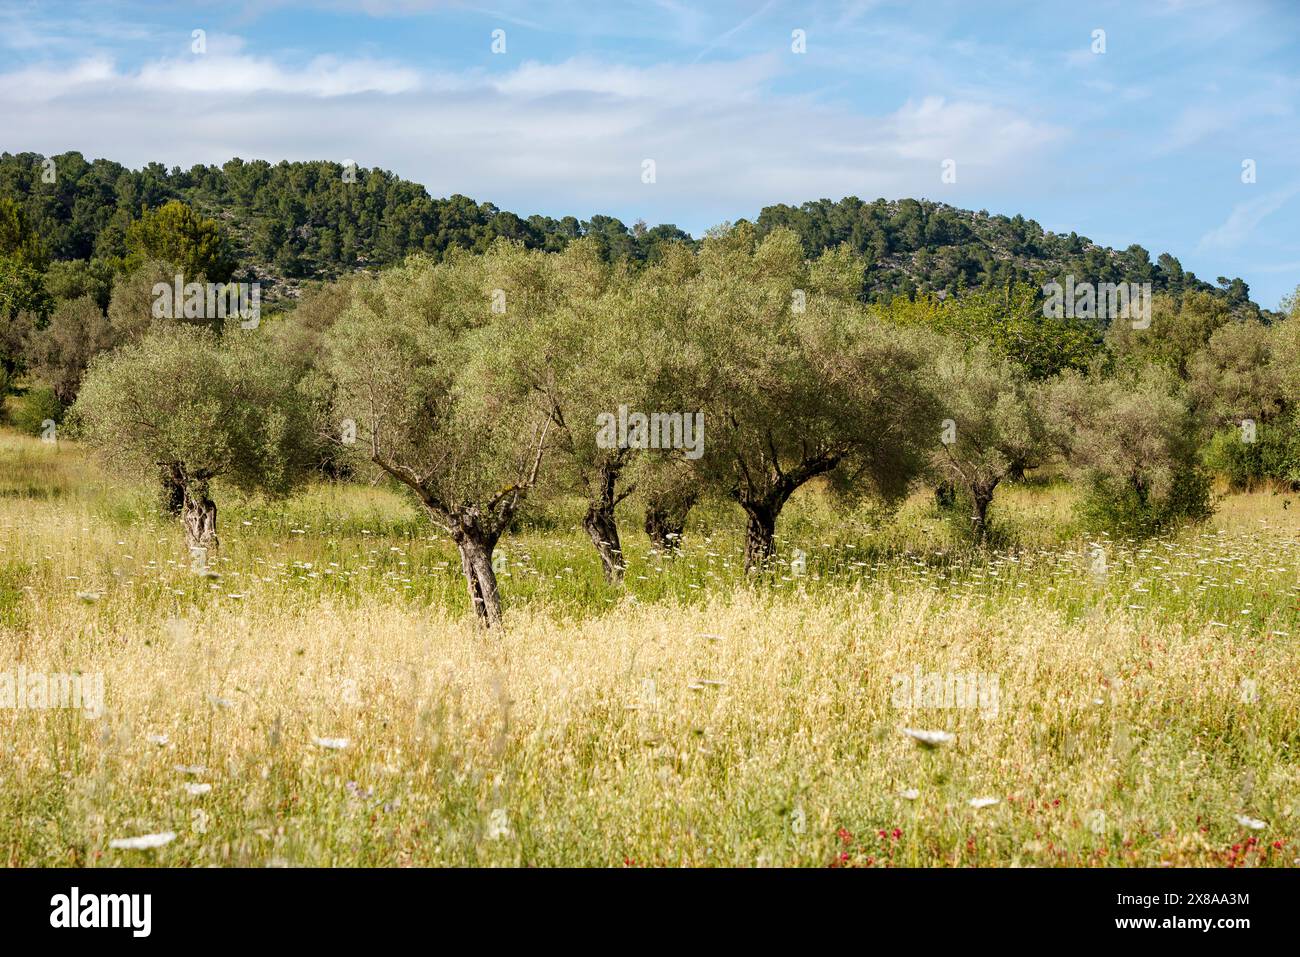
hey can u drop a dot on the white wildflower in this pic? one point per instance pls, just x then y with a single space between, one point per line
144 842
928 739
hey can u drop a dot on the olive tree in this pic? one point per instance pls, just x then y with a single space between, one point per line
668 481
413 388
133 312
1286 364
131 301
300 332
798 381
59 353
1132 438
1177 329
1238 385
1238 375
299 335
600 350
200 407
569 346
993 425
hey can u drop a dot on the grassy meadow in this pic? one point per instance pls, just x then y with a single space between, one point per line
324 696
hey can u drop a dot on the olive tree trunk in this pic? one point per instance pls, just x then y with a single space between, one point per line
476 547
475 527
760 533
603 530
981 498
763 502
199 517
602 526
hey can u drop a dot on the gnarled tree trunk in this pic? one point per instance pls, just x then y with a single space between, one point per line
981 498
760 533
475 527
763 501
199 516
602 526
603 530
476 547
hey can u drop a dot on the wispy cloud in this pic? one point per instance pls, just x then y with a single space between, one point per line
728 34
1245 219
323 76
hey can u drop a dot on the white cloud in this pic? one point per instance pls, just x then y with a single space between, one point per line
1245 219
974 133
324 76
1193 124
39 84
740 79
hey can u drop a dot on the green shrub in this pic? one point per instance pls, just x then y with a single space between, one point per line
1126 511
37 407
1274 455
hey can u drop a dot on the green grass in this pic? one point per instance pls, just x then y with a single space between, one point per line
1144 705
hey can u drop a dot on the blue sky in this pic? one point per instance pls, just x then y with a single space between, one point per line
1143 143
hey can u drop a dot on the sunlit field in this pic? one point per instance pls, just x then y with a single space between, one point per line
324 696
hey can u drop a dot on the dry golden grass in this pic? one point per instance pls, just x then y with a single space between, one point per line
1139 714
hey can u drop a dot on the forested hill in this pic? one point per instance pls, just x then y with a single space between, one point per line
290 219
303 220
917 245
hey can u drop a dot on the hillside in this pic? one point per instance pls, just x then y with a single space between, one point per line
918 245
291 222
